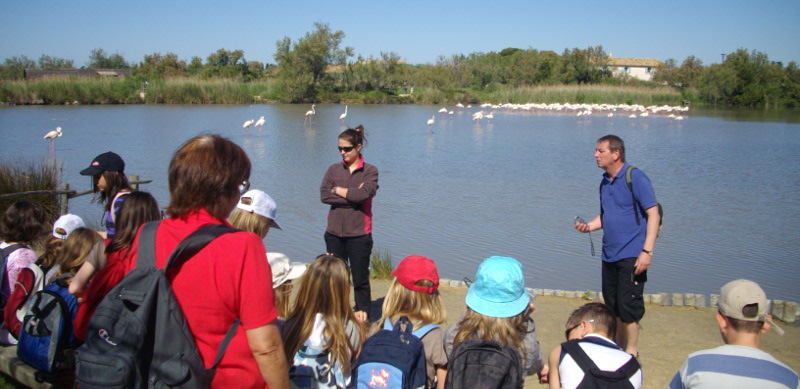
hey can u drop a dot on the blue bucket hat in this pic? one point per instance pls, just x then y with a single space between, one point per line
499 288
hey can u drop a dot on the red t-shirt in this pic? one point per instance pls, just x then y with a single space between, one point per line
102 283
227 279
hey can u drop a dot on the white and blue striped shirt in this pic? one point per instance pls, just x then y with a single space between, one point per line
732 366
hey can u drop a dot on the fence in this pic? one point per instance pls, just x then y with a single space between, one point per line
66 193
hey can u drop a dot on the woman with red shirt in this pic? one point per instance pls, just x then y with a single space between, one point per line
229 278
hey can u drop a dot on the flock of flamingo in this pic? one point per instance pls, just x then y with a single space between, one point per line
579 110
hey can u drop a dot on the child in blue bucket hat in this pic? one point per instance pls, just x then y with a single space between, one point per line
499 303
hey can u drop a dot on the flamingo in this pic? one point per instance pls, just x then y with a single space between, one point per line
248 123
344 115
260 123
449 112
430 121
477 116
310 113
459 105
490 115
53 134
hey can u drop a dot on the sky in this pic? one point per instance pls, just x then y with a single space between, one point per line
419 31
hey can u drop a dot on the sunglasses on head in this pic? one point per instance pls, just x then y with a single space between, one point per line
244 187
569 329
346 149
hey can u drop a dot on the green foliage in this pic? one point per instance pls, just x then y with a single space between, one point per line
381 265
100 60
24 176
14 68
48 62
156 66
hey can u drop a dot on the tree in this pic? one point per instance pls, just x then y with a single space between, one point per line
100 60
158 67
14 67
195 66
226 64
48 62
303 65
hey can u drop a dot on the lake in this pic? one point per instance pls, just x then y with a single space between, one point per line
462 191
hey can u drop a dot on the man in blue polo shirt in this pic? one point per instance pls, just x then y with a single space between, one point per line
628 240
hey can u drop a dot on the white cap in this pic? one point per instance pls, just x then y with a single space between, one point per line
283 269
66 224
261 204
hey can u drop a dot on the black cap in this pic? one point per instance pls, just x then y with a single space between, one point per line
105 162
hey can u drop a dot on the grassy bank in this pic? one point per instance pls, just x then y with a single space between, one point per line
224 91
24 176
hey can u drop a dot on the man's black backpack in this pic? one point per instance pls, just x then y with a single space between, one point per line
593 377
138 336
483 364
630 187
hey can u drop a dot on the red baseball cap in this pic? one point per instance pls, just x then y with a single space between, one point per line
414 268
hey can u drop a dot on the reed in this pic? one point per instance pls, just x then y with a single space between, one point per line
24 176
381 265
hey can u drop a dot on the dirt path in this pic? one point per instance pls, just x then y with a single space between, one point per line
668 336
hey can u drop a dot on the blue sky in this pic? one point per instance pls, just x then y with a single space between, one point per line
419 31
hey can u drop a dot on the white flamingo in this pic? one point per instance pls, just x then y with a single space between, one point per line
260 123
53 134
490 115
450 112
459 105
248 123
344 115
477 116
310 113
430 121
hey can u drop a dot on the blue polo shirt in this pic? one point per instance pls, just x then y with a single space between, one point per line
622 238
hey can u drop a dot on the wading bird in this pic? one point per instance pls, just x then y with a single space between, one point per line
53 134
344 115
248 123
310 113
260 123
430 121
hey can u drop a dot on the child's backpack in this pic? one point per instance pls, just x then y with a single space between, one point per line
138 336
593 377
312 367
5 253
483 364
38 284
46 332
630 187
393 358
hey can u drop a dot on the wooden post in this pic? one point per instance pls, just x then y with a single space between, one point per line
65 200
135 181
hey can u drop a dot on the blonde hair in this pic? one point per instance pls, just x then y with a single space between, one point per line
283 296
324 288
52 250
76 248
421 308
508 331
249 221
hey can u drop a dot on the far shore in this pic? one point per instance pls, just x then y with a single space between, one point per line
669 334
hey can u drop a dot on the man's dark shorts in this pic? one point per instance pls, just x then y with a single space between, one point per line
623 291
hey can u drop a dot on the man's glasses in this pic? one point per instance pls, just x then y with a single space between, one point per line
346 149
591 242
569 329
244 187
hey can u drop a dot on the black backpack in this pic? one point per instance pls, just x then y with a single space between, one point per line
138 336
630 187
593 377
5 253
483 364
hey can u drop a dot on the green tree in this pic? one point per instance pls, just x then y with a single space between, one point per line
303 65
48 62
14 68
225 64
159 66
98 59
195 67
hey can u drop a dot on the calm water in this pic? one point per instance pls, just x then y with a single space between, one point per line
466 191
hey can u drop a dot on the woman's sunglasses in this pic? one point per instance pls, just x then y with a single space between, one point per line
346 149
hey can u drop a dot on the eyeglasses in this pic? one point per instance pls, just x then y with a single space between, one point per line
244 187
569 329
346 149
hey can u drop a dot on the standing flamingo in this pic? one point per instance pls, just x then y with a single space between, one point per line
310 113
53 134
344 115
248 123
430 121
260 123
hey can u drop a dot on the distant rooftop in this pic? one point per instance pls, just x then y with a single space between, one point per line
644 62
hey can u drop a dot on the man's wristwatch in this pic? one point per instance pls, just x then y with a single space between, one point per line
649 252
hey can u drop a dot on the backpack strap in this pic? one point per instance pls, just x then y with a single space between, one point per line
6 252
186 249
111 209
588 366
629 181
419 332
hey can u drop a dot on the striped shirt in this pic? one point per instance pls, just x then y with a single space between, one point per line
731 366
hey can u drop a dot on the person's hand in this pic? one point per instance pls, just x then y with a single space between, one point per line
544 374
642 263
581 226
361 316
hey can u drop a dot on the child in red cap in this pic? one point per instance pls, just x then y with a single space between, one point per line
414 293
